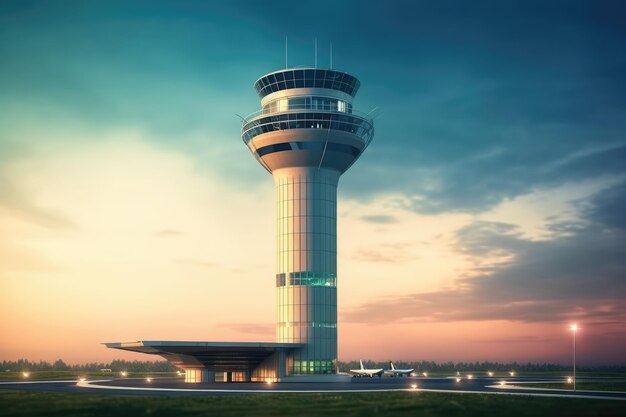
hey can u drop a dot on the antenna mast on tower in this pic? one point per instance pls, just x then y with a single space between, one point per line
331 55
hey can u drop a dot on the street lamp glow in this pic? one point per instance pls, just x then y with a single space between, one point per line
413 386
148 379
82 379
458 380
502 382
574 328
490 373
470 376
268 381
123 373
425 373
25 374
512 373
569 380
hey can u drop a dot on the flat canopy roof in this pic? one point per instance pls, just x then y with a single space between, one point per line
217 356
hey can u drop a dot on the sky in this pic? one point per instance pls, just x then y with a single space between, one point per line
486 216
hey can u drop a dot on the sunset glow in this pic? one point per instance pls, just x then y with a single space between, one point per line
485 220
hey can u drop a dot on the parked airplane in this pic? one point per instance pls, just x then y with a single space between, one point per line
398 372
357 373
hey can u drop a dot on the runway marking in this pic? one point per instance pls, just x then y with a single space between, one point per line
595 397
513 386
90 384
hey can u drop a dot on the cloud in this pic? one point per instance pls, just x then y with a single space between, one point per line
379 219
197 262
475 183
469 132
476 111
609 207
18 258
168 233
516 339
19 203
387 252
579 275
250 328
367 255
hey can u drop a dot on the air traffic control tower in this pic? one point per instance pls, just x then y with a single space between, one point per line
306 135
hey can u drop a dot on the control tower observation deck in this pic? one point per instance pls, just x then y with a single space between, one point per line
306 135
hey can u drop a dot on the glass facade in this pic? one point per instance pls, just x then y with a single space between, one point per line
309 120
307 78
308 278
307 102
306 212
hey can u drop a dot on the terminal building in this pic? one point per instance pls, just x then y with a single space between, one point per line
306 135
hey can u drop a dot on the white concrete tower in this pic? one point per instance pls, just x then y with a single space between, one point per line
306 136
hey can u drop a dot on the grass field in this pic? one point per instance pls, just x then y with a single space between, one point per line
594 386
21 403
19 376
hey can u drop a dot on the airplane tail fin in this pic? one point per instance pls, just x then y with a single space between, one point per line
361 362
391 365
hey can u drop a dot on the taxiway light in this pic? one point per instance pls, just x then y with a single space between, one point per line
512 373
25 374
470 376
490 373
569 380
124 373
82 379
458 380
502 382
425 373
148 379
413 386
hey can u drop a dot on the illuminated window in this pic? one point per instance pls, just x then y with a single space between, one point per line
283 105
312 279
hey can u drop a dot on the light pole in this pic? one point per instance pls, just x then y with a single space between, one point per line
574 329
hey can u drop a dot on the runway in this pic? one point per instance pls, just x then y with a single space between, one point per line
176 387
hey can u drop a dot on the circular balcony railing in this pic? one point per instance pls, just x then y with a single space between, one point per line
259 123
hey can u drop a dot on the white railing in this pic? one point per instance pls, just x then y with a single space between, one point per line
259 113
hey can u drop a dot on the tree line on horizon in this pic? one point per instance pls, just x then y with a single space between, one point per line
119 365
431 366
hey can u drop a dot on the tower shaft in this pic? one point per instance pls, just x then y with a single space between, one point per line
306 280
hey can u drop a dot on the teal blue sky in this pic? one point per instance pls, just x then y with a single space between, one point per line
481 103
525 82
